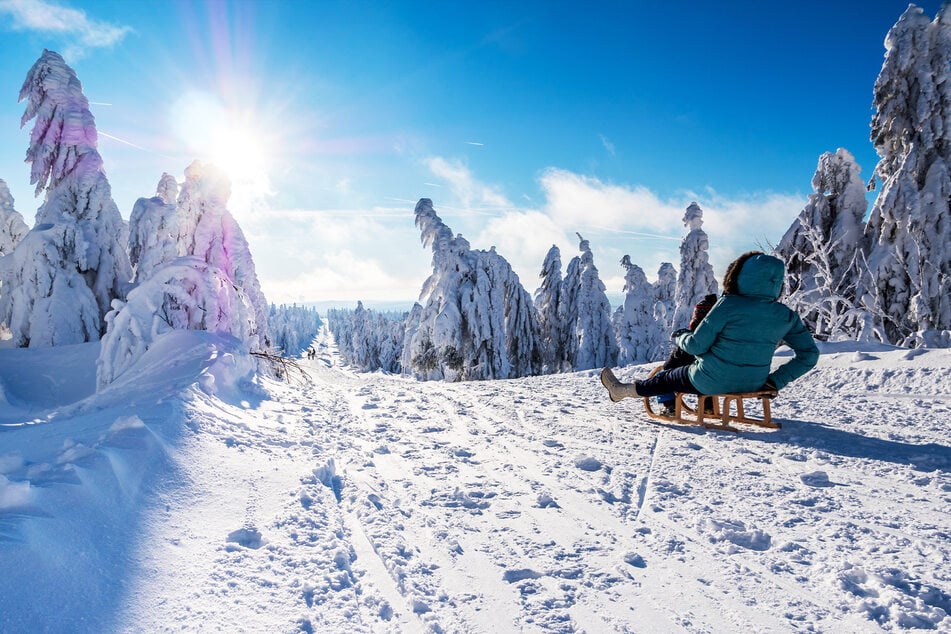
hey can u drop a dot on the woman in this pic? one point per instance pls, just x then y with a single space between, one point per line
735 342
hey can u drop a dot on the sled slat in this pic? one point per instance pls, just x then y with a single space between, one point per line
717 411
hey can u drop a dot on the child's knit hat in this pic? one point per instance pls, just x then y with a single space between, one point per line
701 309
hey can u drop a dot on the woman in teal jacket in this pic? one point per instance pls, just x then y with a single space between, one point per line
735 342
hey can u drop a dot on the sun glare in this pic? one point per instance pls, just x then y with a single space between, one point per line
228 138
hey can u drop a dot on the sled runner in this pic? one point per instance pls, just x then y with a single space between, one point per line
714 411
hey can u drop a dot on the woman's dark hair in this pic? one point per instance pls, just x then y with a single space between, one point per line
732 275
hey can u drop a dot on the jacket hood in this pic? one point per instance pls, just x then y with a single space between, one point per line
761 276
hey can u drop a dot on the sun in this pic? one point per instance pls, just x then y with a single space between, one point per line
228 137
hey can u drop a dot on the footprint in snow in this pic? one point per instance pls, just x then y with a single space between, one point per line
817 479
248 537
587 463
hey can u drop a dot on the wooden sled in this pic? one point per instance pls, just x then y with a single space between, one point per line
718 413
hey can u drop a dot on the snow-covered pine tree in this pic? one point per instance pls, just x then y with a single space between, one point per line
587 313
153 229
908 276
553 333
696 279
665 296
12 226
821 248
640 338
391 342
74 258
477 321
185 294
210 245
209 231
410 327
167 189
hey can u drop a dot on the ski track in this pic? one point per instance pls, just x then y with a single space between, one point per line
372 503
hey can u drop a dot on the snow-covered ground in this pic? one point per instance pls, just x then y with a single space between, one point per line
184 499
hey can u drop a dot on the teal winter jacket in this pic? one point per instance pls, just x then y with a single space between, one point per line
735 342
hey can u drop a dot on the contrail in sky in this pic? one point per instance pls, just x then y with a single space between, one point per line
130 144
476 143
634 233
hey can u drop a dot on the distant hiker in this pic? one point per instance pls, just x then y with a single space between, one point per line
680 358
734 344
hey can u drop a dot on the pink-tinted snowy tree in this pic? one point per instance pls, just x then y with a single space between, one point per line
61 279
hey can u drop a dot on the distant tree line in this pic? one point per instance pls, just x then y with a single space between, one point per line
476 321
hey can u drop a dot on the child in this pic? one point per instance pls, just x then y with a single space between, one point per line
680 358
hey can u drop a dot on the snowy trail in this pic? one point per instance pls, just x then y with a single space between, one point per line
536 505
372 503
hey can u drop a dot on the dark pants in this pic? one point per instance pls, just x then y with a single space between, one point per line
667 382
678 358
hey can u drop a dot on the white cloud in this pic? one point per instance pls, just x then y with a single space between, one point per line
584 201
79 31
523 238
375 254
341 275
470 193
608 145
618 219
320 255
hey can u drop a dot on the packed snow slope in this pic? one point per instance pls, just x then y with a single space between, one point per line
186 498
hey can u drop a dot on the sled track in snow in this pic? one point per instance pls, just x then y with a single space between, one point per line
536 504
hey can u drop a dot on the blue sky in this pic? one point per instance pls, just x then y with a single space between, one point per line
523 121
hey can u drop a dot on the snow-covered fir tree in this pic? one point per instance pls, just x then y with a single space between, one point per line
154 230
640 338
410 327
696 279
908 275
665 296
587 312
207 230
821 251
167 189
477 321
293 328
12 226
553 333
209 243
185 294
74 257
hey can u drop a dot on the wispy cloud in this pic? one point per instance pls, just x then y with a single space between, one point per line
320 254
469 192
78 31
475 143
608 145
619 219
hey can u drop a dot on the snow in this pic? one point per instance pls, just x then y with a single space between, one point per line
187 496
